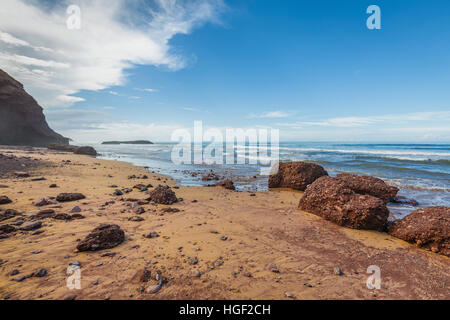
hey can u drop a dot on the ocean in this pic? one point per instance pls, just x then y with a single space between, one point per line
420 171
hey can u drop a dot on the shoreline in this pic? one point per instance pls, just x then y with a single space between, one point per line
261 229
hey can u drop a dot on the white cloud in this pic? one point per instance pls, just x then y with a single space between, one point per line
55 63
274 114
373 120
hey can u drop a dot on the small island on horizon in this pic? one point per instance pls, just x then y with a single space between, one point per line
128 142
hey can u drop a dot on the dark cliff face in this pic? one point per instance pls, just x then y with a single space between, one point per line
22 121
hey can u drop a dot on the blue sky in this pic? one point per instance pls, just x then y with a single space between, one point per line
309 68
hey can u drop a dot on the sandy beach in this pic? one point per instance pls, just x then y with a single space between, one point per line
229 237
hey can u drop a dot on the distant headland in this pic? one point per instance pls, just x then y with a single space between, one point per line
128 142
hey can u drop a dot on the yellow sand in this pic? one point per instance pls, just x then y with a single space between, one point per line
262 229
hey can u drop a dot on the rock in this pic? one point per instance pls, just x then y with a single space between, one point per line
3 236
108 254
43 214
152 235
22 122
78 216
75 209
67 197
32 225
170 210
139 210
62 216
211 176
428 228
86 151
289 295
6 228
70 297
8 214
136 219
405 201
20 279
162 195
331 199
105 236
42 202
367 185
154 288
38 179
227 184
195 274
224 238
4 200
273 267
15 272
75 264
40 273
296 175
19 174
117 192
193 261
53 185
145 276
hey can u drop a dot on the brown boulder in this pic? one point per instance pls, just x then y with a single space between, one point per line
5 200
227 184
62 216
296 175
162 195
331 199
367 185
43 214
428 228
66 197
105 236
32 225
8 214
86 150
6 228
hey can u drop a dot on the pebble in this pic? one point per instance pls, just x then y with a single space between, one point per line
338 271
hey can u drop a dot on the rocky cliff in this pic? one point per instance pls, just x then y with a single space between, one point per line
22 121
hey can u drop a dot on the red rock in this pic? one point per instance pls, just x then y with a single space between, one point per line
62 216
296 175
8 214
227 184
331 199
162 195
367 185
105 236
32 225
5 200
43 214
19 174
41 202
429 228
67 197
6 228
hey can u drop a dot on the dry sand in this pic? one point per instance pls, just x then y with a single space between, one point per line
262 228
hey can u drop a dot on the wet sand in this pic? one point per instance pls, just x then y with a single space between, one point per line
260 228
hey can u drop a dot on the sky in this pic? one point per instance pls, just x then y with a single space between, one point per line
140 69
